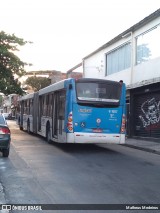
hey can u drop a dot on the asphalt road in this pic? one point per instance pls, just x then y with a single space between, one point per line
41 173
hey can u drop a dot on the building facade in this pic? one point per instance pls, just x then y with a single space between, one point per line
10 104
134 57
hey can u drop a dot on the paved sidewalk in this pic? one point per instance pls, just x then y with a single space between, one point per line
148 146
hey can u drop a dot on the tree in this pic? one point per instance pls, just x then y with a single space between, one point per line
38 83
10 64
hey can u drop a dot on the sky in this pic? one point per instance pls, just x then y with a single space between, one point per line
63 32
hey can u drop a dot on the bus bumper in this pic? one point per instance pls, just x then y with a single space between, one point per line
95 138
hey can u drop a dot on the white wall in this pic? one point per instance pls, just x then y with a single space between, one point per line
95 65
146 71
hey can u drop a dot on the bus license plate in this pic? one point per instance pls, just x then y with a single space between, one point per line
97 130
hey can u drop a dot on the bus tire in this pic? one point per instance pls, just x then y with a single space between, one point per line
21 128
48 134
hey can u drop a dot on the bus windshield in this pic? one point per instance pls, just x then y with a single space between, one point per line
98 92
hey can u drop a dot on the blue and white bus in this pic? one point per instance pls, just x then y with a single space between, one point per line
25 111
77 111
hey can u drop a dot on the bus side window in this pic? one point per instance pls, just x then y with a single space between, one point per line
50 106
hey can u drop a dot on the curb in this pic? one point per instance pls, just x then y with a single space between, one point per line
143 149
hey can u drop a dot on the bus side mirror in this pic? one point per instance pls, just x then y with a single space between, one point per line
70 86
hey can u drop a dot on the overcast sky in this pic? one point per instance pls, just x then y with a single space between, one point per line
65 31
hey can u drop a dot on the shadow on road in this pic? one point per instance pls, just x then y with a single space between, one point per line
84 148
108 149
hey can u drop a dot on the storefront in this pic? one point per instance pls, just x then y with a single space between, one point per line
145 111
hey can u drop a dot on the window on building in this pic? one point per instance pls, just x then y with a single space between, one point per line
118 59
146 45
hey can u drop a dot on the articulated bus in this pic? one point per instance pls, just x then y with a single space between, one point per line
76 111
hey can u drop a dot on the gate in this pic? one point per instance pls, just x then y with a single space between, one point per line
146 114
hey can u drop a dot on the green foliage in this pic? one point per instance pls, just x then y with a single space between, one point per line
10 64
38 83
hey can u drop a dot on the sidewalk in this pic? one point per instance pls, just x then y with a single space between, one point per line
148 146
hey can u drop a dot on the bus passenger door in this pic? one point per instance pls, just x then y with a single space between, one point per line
21 114
55 116
40 112
61 116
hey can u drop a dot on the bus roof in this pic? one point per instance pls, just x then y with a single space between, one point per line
28 96
53 87
61 84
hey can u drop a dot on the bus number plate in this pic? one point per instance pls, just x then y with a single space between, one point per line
97 130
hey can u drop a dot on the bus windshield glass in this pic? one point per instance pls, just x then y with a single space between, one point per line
99 92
